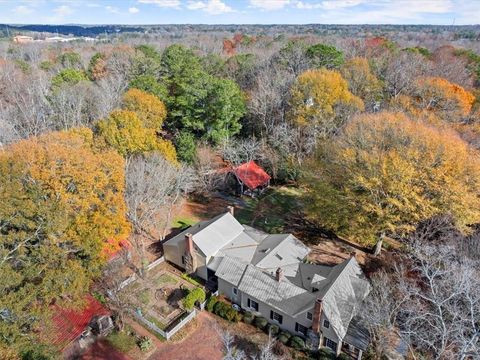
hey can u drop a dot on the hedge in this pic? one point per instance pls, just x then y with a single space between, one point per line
297 343
211 303
284 337
226 311
272 329
197 294
260 322
326 354
248 317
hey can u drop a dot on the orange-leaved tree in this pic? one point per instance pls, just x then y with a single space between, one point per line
149 108
385 173
88 184
362 82
449 101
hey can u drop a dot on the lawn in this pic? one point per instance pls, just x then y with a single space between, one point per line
123 341
183 222
271 210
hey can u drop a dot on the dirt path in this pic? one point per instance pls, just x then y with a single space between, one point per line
202 344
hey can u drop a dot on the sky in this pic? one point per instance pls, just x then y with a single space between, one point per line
447 12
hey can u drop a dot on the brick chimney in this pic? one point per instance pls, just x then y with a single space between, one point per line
317 315
189 257
189 243
231 210
279 274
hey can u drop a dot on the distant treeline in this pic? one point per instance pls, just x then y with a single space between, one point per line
461 31
75 30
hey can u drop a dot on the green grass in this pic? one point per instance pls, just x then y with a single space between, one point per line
157 322
144 297
190 280
123 341
183 222
165 279
268 212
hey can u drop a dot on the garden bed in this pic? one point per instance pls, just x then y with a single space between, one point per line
158 296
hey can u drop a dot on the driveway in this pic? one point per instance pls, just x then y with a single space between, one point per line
203 343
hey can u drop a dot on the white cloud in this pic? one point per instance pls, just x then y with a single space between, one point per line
62 11
340 4
269 4
22 10
175 4
112 9
212 7
133 10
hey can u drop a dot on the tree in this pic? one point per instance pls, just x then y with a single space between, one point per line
97 67
62 212
322 55
70 59
315 97
206 106
186 147
69 77
449 101
154 187
362 82
149 108
124 131
430 297
385 173
90 185
149 84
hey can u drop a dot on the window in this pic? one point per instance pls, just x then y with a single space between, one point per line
276 317
252 304
301 329
183 260
326 324
330 344
235 291
309 316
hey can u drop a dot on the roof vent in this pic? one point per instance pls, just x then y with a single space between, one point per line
278 256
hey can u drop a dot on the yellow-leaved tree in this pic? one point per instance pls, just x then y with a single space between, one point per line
149 108
385 173
124 131
320 100
362 82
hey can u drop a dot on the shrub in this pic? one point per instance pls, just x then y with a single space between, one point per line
248 317
261 322
343 356
221 309
211 303
272 329
230 314
325 354
194 296
297 343
284 337
145 343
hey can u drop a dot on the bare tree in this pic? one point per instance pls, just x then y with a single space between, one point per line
208 168
153 187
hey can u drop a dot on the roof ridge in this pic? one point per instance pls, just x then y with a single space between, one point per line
346 262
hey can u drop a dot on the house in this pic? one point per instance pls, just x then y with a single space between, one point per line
73 330
248 178
268 275
22 39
